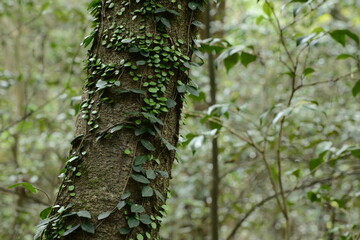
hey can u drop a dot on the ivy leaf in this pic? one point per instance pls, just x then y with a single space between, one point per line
150 174
247 58
145 219
104 215
168 145
88 227
120 205
192 5
136 208
192 90
124 231
140 178
163 173
140 160
100 84
84 214
181 88
25 185
147 144
198 24
159 195
71 230
170 103
356 89
125 195
165 22
147 192
133 223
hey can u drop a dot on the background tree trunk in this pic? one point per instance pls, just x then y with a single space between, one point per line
120 161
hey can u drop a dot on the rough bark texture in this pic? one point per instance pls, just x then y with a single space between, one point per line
113 112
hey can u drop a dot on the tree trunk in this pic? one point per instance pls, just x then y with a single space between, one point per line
117 175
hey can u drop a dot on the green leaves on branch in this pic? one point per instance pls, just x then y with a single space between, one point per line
340 36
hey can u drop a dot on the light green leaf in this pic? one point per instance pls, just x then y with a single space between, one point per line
147 191
25 185
104 215
136 208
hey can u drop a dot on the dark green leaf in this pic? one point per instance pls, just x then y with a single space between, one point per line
88 227
140 178
145 219
181 88
355 152
356 89
231 61
308 71
163 173
247 58
136 208
133 223
124 231
314 163
44 213
168 145
192 90
147 144
71 230
192 5
140 160
165 22
147 191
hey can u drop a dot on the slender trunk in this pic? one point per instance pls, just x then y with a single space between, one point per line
215 148
117 175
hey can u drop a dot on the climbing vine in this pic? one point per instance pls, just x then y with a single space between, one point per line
147 55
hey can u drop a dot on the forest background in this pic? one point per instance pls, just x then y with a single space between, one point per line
286 119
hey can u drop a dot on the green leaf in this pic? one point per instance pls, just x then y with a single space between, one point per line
84 214
71 188
356 89
308 71
181 88
71 230
116 128
120 205
136 208
139 237
124 231
140 160
125 195
267 8
168 145
170 103
44 213
355 152
25 185
314 163
192 90
145 219
147 192
165 22
231 61
88 227
344 56
140 178
247 58
163 174
340 36
133 223
104 215
192 5
150 174
147 144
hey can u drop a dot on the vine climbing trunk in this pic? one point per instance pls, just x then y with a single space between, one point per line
117 175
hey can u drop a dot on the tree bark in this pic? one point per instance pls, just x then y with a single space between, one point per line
117 175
